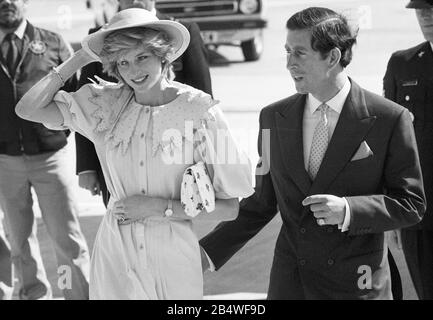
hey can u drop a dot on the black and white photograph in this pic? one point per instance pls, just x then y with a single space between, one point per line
216 154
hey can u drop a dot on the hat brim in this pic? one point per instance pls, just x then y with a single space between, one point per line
179 37
418 5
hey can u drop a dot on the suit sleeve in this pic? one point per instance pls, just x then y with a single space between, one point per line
87 158
195 65
389 85
254 213
403 203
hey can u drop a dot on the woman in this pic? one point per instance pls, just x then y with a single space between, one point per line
147 130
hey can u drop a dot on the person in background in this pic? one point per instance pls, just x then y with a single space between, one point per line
408 81
191 68
34 157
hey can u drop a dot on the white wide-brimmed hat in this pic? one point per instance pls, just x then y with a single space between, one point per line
130 18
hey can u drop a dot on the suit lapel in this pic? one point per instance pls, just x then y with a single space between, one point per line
289 128
352 127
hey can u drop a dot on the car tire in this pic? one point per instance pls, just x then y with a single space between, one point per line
253 49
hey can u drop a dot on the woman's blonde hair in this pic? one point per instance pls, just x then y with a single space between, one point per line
117 43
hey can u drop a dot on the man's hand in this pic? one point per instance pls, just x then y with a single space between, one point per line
327 209
204 260
89 180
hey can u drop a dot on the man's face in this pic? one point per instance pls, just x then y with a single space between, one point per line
144 4
425 20
12 13
307 67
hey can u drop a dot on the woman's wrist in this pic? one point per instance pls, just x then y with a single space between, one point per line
78 60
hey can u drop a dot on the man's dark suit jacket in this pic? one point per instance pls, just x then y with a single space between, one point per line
191 68
409 82
384 192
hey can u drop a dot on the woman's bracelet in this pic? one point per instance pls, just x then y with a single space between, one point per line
56 72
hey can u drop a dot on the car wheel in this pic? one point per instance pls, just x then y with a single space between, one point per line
253 49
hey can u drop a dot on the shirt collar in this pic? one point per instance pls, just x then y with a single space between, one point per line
431 45
336 103
19 32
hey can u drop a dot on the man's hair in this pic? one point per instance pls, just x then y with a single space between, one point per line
119 42
329 30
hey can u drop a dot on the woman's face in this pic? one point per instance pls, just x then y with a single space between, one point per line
140 69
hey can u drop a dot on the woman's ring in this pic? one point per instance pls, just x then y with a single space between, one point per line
121 219
320 222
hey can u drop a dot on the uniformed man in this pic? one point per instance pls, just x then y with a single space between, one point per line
33 157
409 82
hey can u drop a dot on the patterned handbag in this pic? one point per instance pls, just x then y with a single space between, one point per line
197 191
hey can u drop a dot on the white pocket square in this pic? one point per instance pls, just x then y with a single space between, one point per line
363 152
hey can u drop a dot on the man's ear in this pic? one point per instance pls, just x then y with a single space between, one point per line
334 58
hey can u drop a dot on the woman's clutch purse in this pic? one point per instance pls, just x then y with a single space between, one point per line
197 191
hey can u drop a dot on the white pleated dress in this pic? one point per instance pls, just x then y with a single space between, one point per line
145 150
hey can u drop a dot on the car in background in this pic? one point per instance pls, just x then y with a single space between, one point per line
223 22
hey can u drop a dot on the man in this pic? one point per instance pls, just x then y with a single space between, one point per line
31 156
341 166
408 81
191 68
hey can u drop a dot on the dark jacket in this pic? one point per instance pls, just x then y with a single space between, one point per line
191 68
384 192
42 50
409 82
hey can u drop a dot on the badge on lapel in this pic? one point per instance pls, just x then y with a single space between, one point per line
37 47
421 54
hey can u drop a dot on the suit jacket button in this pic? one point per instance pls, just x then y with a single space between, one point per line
330 229
330 262
302 262
303 230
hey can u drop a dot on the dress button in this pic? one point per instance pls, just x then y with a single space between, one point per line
141 247
147 110
142 136
302 262
407 98
303 230
330 262
143 191
141 163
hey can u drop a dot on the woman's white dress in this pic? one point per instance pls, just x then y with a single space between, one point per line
145 150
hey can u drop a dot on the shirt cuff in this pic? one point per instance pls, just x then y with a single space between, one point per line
346 223
86 171
211 265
